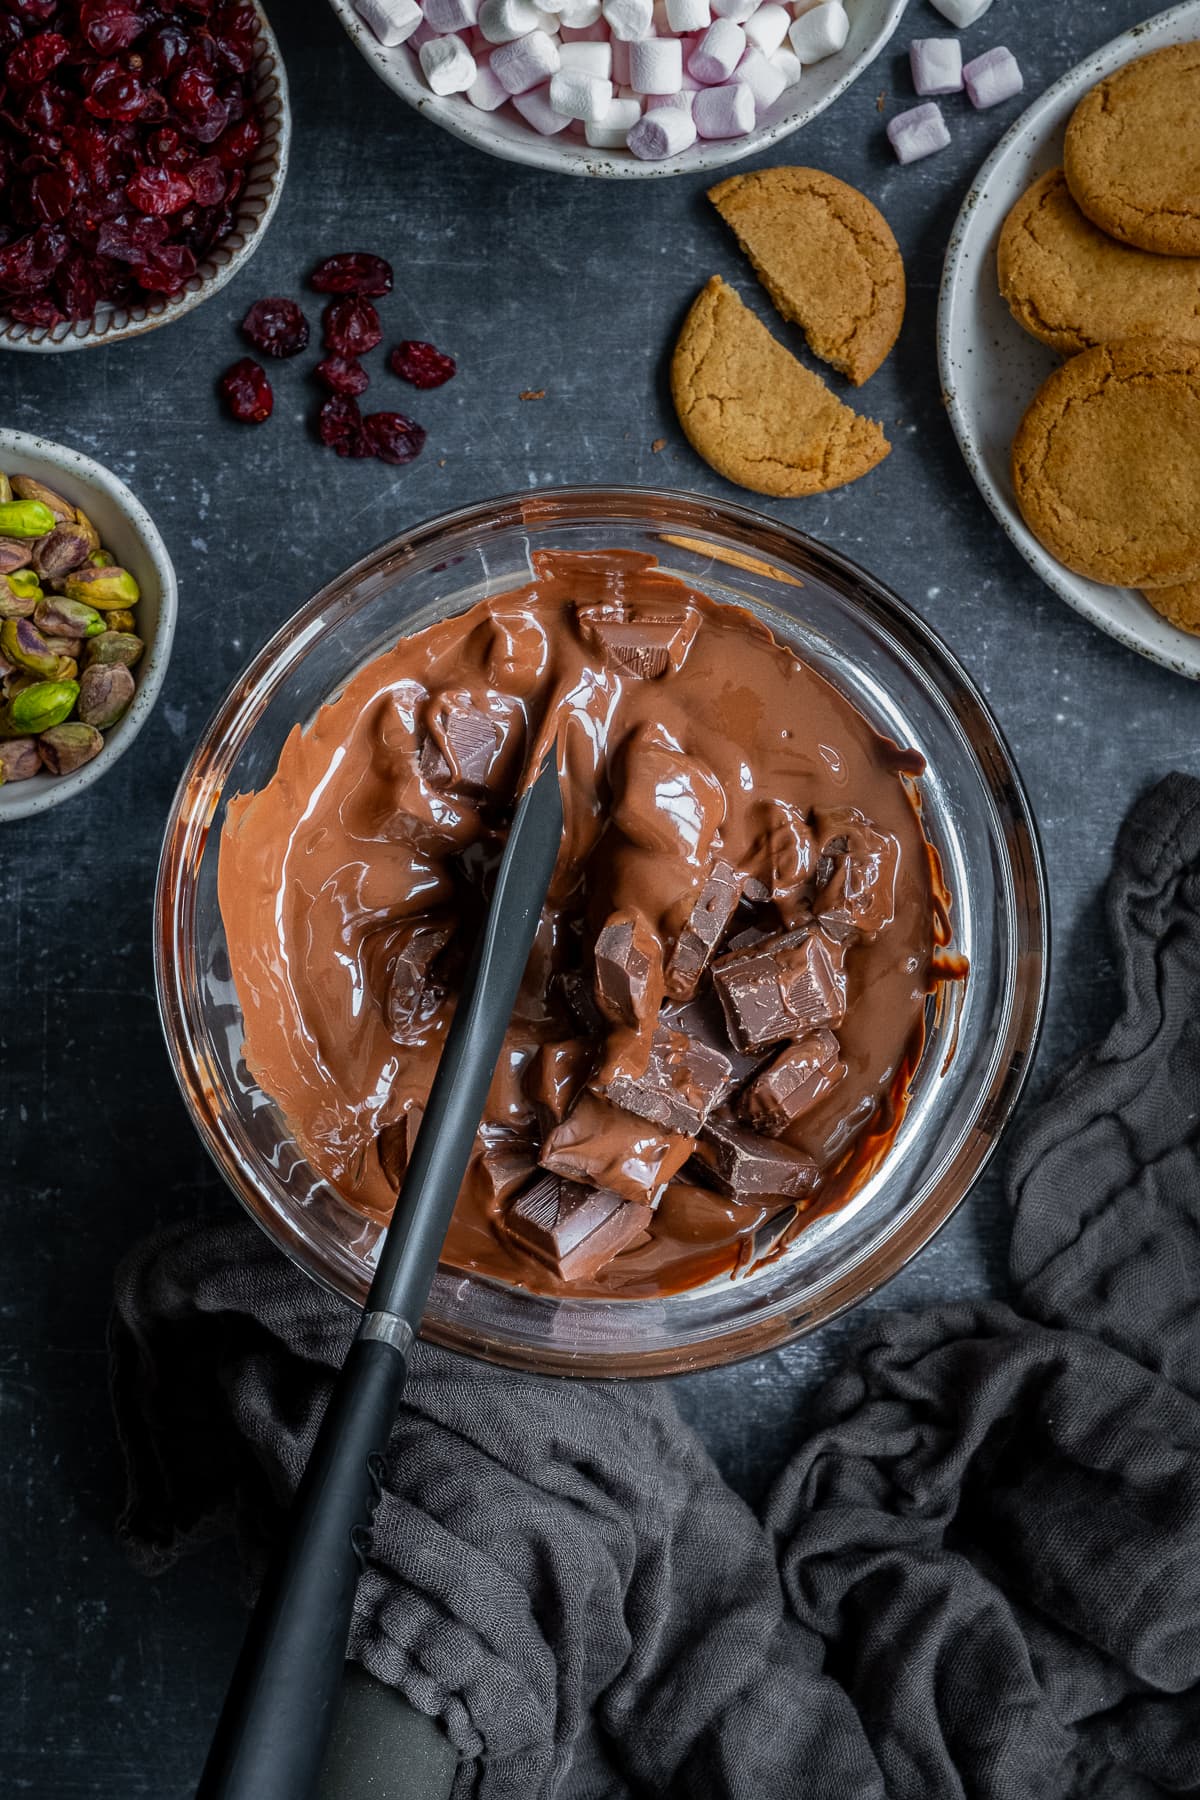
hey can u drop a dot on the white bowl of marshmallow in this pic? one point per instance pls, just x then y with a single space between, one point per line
620 88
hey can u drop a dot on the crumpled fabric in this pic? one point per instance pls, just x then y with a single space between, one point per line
978 1575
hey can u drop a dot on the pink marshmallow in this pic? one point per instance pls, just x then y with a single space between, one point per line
724 112
536 110
620 63
718 53
993 77
682 99
936 65
918 132
451 15
765 81
525 62
667 131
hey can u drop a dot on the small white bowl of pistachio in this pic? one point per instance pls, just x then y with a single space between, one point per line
88 600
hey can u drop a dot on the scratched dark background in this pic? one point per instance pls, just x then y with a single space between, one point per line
110 1682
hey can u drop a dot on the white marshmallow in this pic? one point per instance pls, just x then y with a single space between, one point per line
485 91
937 66
525 62
767 27
536 110
448 65
577 95
547 22
451 15
579 15
656 66
610 132
620 62
629 19
502 21
764 80
593 59
718 53
788 64
683 100
724 112
392 21
689 15
962 12
664 132
737 10
821 32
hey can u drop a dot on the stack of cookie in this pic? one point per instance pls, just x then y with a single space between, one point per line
1100 259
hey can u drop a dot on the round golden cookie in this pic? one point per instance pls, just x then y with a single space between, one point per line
1132 152
754 413
1106 463
1179 605
827 258
1071 285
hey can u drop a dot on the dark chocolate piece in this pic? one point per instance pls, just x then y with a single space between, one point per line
628 968
554 1077
745 1165
576 992
683 1081
856 875
573 1230
781 987
463 745
395 1145
505 1161
603 1146
414 995
787 1088
703 1019
644 641
709 918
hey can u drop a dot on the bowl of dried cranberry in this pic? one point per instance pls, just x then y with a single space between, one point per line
143 156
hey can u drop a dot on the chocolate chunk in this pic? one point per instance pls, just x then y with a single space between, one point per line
504 1161
603 1146
856 875
666 799
702 1018
746 1166
463 746
781 987
573 1230
395 1145
683 1081
554 1077
785 855
414 996
643 641
576 993
800 1076
628 969
709 918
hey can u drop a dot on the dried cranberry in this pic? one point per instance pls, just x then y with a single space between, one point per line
247 392
276 327
207 181
167 271
116 94
237 145
194 97
27 264
51 192
394 438
342 375
165 49
77 287
34 12
351 327
353 272
421 364
108 26
131 237
36 58
340 427
160 191
235 34
41 311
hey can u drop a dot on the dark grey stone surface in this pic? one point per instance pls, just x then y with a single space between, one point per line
111 1682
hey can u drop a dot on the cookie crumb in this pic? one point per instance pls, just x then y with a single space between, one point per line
532 394
881 100
658 444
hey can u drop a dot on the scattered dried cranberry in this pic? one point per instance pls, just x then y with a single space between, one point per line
351 327
276 327
354 272
341 427
393 438
421 364
343 375
247 392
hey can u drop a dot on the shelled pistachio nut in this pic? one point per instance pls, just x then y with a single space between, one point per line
105 690
38 708
14 605
25 583
5 487
66 646
15 553
114 647
27 487
63 550
24 645
88 529
25 519
104 588
119 618
102 559
57 617
15 681
19 759
65 748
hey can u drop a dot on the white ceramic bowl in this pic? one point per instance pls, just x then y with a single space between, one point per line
126 529
256 207
872 23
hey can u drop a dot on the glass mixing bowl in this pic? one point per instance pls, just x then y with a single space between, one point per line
981 1033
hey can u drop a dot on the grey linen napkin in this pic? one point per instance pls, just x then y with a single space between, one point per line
978 1575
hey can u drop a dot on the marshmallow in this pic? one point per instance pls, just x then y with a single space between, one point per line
737 10
764 80
918 132
629 19
820 32
485 91
767 27
664 132
592 58
451 15
525 62
578 95
584 34
962 12
392 21
502 21
683 100
656 66
536 110
424 34
718 53
579 15
937 65
993 77
610 132
724 112
448 65
788 64
689 15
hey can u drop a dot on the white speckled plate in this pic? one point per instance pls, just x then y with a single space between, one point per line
990 369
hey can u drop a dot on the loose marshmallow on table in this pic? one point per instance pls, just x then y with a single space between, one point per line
993 77
592 58
502 21
656 66
578 95
936 64
448 64
767 27
724 112
820 32
485 91
918 132
765 81
525 62
536 110
392 21
718 53
451 15
629 19
962 12
689 15
610 132
664 132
